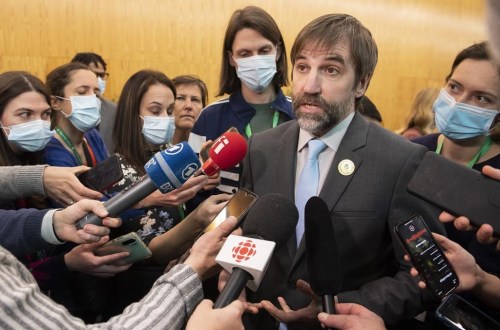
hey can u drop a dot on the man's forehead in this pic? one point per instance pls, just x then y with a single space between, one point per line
337 49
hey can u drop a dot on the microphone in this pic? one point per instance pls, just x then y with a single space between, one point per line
323 260
166 171
227 151
272 217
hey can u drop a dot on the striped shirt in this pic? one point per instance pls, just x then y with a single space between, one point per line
23 306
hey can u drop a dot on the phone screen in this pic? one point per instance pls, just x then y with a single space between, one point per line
427 257
237 207
104 175
460 314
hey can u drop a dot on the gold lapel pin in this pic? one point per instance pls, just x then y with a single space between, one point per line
346 167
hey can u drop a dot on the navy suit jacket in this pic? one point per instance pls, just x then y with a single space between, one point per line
364 208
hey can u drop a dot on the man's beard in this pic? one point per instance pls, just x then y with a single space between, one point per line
318 124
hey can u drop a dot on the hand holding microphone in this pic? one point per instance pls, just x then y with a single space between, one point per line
272 217
227 151
168 170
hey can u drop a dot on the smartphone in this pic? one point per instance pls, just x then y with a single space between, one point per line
426 256
458 190
237 206
458 313
204 156
103 175
131 243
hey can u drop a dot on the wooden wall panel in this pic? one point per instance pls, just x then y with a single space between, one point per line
417 39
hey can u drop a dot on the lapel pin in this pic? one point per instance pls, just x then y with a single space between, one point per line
346 167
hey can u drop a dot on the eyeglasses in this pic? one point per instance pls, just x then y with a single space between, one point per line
102 75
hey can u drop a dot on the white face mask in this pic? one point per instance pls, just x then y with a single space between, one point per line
158 130
31 136
85 113
256 72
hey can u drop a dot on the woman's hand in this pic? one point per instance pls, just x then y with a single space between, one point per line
62 185
83 259
178 196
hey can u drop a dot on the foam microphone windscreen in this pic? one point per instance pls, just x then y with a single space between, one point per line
273 217
322 255
169 169
228 150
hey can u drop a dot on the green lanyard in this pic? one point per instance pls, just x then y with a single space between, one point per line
276 117
70 145
484 149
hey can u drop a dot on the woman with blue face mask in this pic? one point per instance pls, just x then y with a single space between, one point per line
75 116
466 114
25 119
467 111
253 71
143 127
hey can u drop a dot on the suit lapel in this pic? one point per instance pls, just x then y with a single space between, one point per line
285 164
336 183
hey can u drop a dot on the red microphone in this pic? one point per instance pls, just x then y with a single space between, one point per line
227 151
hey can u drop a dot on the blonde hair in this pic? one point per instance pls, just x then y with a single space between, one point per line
421 115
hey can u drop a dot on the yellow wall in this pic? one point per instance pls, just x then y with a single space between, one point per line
417 39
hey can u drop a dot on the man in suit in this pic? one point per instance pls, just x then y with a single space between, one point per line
363 172
108 108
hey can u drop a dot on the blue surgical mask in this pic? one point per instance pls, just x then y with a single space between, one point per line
102 84
256 72
459 121
85 113
158 130
31 136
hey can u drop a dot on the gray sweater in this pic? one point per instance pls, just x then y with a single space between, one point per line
21 181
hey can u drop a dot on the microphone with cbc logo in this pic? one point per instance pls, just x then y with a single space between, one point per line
247 257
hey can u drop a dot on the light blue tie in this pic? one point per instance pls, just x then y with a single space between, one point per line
307 185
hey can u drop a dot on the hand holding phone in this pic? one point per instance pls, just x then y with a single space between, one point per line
130 243
458 313
458 190
426 256
238 206
103 175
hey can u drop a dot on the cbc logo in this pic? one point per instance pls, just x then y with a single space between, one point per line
244 250
412 228
175 149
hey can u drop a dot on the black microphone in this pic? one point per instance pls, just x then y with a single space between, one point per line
323 260
166 171
272 217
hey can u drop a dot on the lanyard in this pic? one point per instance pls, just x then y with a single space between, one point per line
70 145
484 149
276 117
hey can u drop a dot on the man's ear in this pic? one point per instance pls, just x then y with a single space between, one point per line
362 86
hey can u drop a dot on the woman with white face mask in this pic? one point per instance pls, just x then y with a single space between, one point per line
253 70
76 114
466 114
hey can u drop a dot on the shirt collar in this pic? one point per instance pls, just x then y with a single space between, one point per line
332 138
